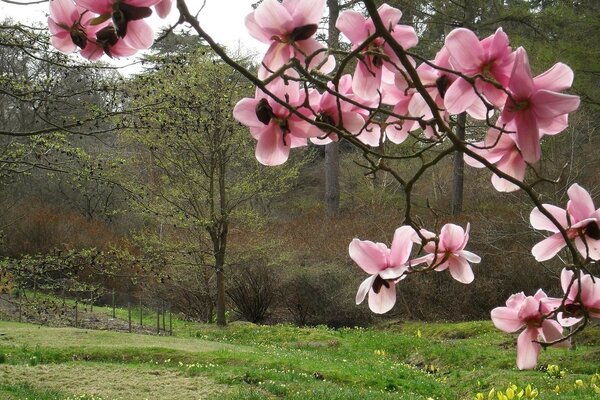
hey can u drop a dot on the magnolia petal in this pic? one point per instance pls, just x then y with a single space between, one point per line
276 56
305 12
547 104
369 256
466 53
459 97
256 31
555 125
478 110
521 81
588 248
451 237
389 15
245 112
567 322
63 11
502 185
541 222
395 273
469 256
139 34
272 15
97 6
513 165
418 107
499 45
63 42
548 248
551 331
580 205
367 79
527 350
120 49
364 288
271 148
354 123
371 135
352 25
460 269
406 36
397 130
506 319
557 78
164 8
401 245
310 47
383 301
528 136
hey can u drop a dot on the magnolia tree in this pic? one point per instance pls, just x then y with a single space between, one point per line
379 94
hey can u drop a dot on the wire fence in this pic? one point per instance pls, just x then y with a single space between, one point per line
110 311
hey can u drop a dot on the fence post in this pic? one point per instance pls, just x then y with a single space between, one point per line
113 303
91 301
170 322
141 314
163 315
76 312
129 315
20 294
158 321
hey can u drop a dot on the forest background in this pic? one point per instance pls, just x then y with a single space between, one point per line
145 185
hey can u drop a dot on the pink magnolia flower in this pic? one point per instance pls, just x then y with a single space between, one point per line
437 83
70 26
274 127
528 312
163 8
288 28
536 103
368 72
588 288
448 252
492 58
128 19
348 116
386 266
580 220
501 149
107 42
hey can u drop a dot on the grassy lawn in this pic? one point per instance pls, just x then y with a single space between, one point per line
244 361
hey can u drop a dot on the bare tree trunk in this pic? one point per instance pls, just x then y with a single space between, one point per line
459 167
221 321
332 185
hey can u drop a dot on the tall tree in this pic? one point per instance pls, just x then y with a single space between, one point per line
193 162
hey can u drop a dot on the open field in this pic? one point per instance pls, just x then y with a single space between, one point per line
400 361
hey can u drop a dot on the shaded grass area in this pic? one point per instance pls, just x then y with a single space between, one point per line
245 361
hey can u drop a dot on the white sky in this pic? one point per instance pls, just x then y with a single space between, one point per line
222 19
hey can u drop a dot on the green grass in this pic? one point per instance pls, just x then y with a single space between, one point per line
245 361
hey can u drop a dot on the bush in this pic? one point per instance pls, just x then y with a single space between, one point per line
323 294
252 291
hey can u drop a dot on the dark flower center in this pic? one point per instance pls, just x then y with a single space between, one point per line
592 230
79 37
106 38
302 32
442 84
264 112
326 119
379 282
123 13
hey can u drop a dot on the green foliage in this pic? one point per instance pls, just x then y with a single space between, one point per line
254 361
